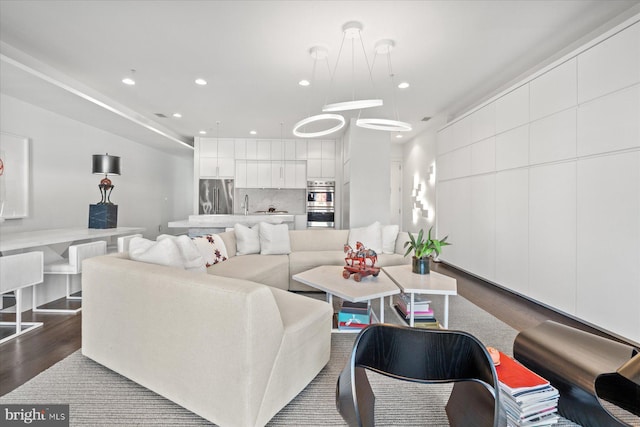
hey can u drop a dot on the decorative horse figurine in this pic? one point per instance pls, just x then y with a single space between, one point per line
352 257
366 254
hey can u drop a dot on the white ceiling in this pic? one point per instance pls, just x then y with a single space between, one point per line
63 54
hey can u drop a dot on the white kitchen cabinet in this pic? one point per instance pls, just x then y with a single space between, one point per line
289 149
321 161
277 150
301 149
277 174
314 168
252 174
252 149
263 150
328 149
216 157
314 149
264 174
295 174
241 174
240 149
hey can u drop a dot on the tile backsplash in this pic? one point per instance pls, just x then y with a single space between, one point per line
291 200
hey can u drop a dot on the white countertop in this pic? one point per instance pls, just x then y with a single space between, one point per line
222 221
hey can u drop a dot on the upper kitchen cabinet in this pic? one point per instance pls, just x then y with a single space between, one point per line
214 158
321 158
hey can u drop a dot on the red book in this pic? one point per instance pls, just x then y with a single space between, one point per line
515 378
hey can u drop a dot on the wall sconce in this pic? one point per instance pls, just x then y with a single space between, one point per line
104 214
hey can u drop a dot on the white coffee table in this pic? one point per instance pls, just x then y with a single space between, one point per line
328 278
433 283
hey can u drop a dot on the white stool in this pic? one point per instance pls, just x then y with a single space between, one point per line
17 272
70 267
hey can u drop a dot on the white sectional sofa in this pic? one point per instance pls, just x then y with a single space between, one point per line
309 248
233 346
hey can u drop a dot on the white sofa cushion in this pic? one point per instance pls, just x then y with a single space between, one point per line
247 239
173 251
370 237
389 236
274 239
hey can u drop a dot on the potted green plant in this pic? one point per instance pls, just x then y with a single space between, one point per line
423 249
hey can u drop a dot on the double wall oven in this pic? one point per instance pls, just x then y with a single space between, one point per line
321 204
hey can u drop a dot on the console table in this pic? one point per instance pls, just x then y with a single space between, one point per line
24 240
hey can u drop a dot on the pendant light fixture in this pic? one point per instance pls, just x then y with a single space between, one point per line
384 47
352 31
318 53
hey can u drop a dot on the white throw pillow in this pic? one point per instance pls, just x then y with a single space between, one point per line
248 239
212 249
172 251
274 239
389 236
370 237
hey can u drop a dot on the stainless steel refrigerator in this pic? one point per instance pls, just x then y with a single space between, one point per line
215 196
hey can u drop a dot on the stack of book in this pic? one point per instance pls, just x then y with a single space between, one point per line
423 316
354 316
529 399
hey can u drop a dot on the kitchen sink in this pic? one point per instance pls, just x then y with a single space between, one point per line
270 212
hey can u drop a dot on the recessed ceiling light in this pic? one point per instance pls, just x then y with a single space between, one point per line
128 80
403 85
304 83
201 82
253 132
177 115
203 132
399 136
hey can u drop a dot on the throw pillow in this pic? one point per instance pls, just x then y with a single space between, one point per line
248 239
371 237
171 251
389 236
212 249
274 239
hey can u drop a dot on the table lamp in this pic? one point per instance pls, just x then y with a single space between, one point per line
104 214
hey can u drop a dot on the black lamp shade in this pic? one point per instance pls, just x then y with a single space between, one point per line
105 164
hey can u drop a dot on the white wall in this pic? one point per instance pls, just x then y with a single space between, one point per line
539 188
154 187
419 179
366 189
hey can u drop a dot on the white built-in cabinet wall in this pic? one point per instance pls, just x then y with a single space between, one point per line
539 189
255 163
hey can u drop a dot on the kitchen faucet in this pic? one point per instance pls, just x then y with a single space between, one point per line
246 204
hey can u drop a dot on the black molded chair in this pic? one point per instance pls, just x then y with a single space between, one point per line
424 356
585 368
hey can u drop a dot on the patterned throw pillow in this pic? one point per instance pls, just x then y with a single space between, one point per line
211 248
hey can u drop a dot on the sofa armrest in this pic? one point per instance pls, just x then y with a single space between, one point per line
203 341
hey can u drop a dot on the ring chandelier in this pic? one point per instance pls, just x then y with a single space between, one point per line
318 118
384 47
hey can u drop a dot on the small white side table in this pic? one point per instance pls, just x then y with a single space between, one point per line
429 284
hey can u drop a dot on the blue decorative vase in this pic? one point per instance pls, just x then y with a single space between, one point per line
420 265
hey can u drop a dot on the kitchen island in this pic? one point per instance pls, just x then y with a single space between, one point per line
203 224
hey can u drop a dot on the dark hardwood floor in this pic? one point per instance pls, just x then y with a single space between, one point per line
27 355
